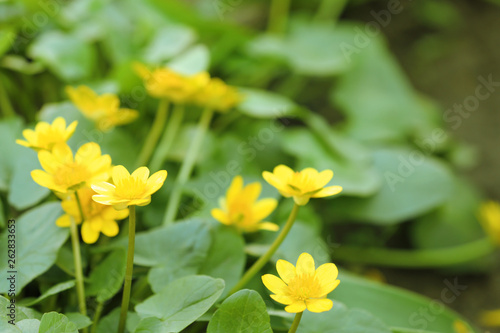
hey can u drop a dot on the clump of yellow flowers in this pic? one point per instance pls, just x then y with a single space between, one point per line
302 286
104 110
241 209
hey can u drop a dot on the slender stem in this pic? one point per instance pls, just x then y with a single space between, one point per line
278 16
330 9
5 104
129 271
168 137
187 167
75 242
97 316
296 322
80 288
265 258
154 133
448 256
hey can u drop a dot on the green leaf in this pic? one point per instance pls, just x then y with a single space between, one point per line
5 327
54 322
263 104
340 319
353 166
24 192
175 251
398 307
60 287
168 42
28 325
243 312
377 98
21 311
67 56
311 48
7 38
79 320
413 184
181 302
226 256
107 278
37 241
10 130
194 60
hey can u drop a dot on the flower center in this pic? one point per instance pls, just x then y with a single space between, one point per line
71 175
303 287
130 188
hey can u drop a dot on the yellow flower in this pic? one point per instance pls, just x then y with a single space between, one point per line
128 190
97 218
490 318
241 209
63 173
218 96
303 286
165 83
104 110
46 135
301 185
460 327
489 216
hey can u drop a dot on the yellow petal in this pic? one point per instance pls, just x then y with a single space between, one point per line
298 306
22 143
283 172
110 228
100 167
263 208
63 221
140 202
120 205
62 152
324 178
311 174
30 135
59 124
286 270
106 199
319 305
305 264
141 174
252 191
268 226
89 236
220 216
235 188
48 162
273 180
490 318
71 129
328 191
283 299
43 179
155 182
103 188
119 173
88 152
326 275
274 283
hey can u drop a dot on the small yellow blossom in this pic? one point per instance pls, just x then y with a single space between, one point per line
165 83
489 216
241 209
63 173
301 185
128 190
46 135
218 96
490 318
303 286
104 110
97 218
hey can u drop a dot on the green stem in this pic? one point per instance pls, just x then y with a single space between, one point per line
168 138
154 133
448 256
129 270
265 258
296 322
97 316
75 242
330 9
5 104
278 16
187 167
